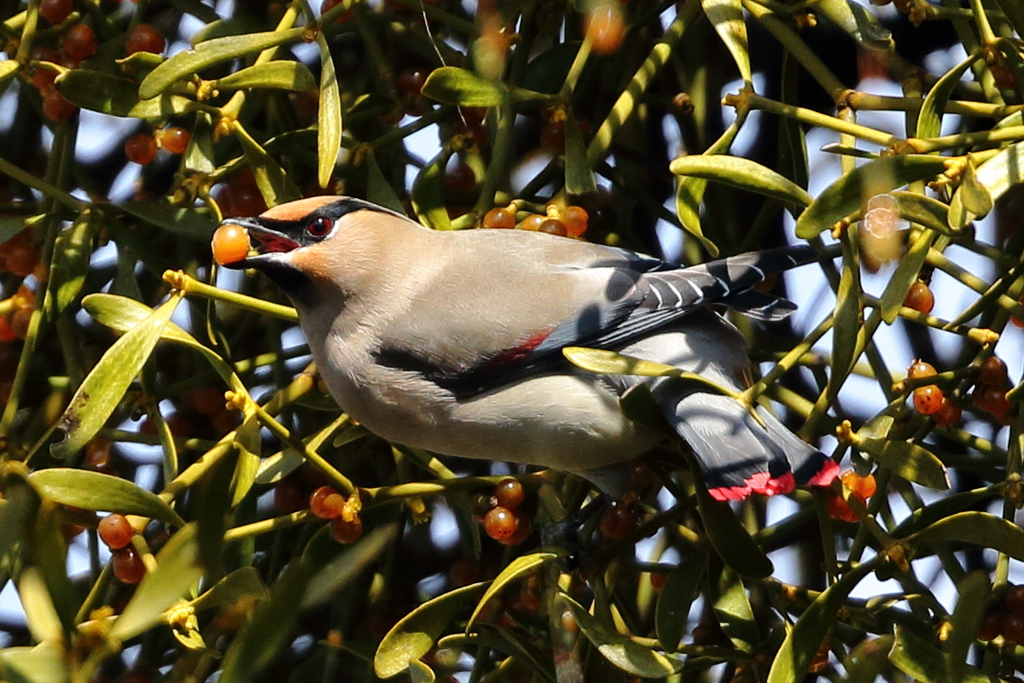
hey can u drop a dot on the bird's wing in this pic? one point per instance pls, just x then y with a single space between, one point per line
597 297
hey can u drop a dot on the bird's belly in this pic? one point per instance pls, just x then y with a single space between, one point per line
564 421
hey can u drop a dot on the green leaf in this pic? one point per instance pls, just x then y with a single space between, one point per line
846 321
177 571
519 568
730 539
263 637
239 584
624 653
275 185
348 565
868 660
249 444
328 118
973 196
40 615
11 226
46 663
734 613
414 635
378 189
923 210
507 641
727 18
453 85
978 528
420 672
845 196
579 178
970 607
741 173
857 21
428 193
998 174
50 552
923 661
199 153
689 195
945 507
91 490
179 220
186 64
71 254
210 511
8 68
907 273
929 121
279 74
673 609
115 96
908 460
102 390
17 511
802 641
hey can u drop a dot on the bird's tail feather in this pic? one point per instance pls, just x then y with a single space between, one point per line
739 456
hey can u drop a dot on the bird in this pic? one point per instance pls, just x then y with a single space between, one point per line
452 341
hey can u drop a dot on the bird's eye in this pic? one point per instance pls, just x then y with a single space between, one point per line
320 226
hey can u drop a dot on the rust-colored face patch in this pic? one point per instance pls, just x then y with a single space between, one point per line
300 208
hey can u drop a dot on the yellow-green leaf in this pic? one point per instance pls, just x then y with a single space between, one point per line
675 598
727 18
179 220
730 539
8 68
924 661
275 185
348 565
929 121
378 189
328 118
414 635
998 174
102 390
923 210
177 570
46 663
239 584
519 568
846 321
689 195
978 528
280 74
907 273
845 196
624 653
188 63
71 254
741 173
97 491
735 614
857 21
453 85
802 641
970 607
428 193
908 460
98 91
579 178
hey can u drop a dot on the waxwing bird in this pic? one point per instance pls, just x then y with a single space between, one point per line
452 341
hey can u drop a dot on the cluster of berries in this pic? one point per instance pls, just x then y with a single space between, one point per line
500 514
861 487
78 43
569 222
326 503
142 148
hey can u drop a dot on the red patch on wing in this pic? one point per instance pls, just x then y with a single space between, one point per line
519 353
764 484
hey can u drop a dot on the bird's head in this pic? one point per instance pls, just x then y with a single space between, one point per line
309 245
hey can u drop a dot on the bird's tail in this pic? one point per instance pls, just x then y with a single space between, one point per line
738 455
